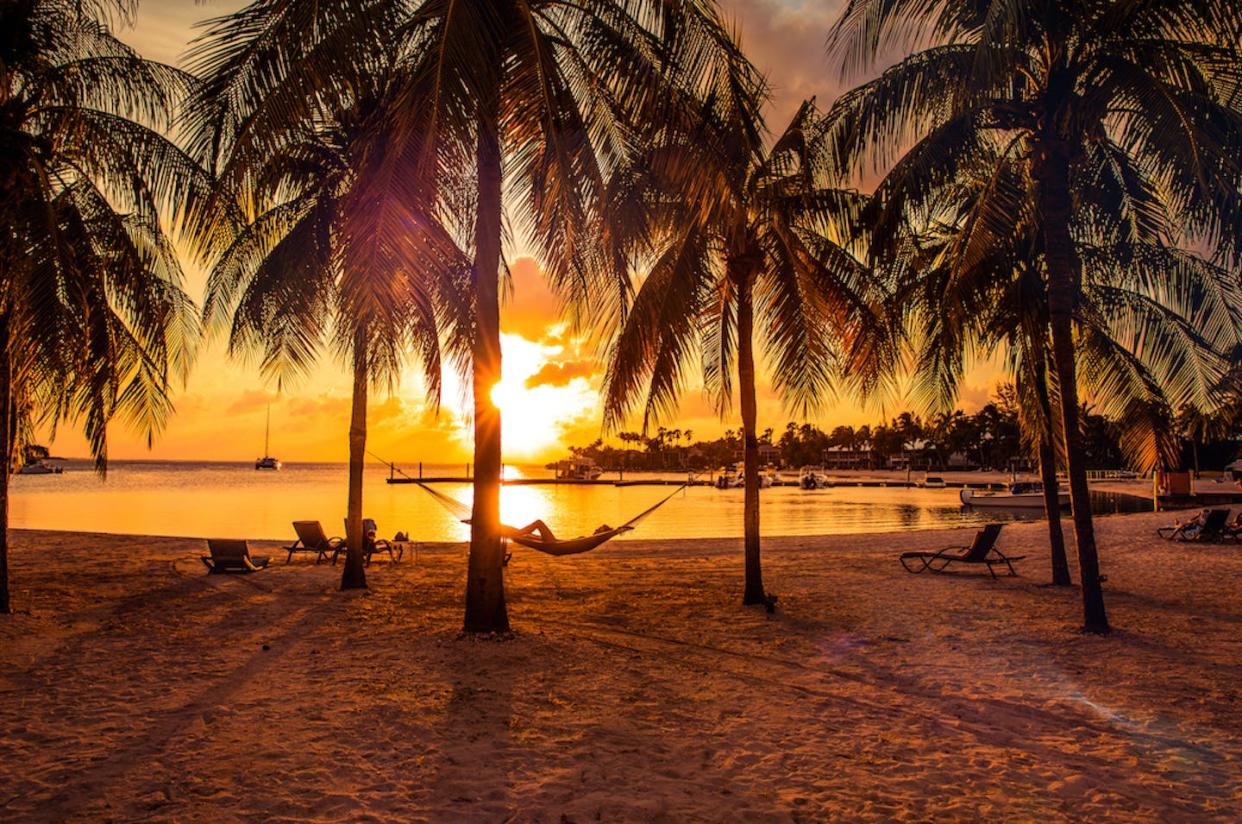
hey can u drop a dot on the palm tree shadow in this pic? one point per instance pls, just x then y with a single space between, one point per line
475 727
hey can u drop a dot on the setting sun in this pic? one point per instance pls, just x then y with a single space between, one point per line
540 401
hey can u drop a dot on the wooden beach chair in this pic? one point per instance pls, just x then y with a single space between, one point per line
1211 526
231 555
982 552
312 538
369 549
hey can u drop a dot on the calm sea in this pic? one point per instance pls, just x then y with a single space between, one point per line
234 500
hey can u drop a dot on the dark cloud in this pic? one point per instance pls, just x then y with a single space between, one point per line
786 41
560 374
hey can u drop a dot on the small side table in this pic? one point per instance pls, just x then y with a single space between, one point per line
404 547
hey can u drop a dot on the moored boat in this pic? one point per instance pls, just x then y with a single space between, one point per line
267 461
36 460
813 477
1022 495
39 467
734 477
578 469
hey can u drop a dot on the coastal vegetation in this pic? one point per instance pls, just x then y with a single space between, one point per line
1057 189
303 255
94 324
738 247
1120 121
991 439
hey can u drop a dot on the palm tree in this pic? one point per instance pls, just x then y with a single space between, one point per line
486 93
1198 426
1154 322
319 252
539 96
738 241
1067 88
94 324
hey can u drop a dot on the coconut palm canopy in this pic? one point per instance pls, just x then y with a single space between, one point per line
91 290
1135 99
1155 326
738 241
94 324
490 103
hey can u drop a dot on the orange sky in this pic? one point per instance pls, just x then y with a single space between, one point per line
549 390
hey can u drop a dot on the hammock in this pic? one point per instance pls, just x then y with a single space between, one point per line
559 547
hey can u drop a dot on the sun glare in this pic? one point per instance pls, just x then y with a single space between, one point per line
534 417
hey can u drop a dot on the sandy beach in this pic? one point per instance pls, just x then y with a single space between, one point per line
137 688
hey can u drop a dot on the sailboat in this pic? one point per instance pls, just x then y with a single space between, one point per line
267 461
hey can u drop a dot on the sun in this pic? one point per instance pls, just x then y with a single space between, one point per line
535 415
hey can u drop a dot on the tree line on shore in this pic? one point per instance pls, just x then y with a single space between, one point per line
1058 187
990 439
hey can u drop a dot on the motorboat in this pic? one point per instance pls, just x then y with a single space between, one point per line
36 460
734 476
39 467
578 469
1018 495
933 482
813 477
730 477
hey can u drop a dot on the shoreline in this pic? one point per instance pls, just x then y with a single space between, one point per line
656 546
634 687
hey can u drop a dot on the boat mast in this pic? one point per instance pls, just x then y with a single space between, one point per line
267 432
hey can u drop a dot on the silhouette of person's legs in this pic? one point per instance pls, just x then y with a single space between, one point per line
538 527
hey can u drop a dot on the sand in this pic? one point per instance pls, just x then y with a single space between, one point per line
635 688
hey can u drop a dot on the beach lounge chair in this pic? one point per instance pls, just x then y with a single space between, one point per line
1209 527
369 548
982 551
230 555
1233 529
312 538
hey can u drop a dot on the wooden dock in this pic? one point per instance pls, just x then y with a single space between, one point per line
467 479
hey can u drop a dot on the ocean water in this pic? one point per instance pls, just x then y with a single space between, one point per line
233 500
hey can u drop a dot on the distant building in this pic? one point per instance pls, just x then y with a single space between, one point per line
769 454
845 457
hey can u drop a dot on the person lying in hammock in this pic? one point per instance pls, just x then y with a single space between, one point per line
537 528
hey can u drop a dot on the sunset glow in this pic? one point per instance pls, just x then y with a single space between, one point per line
538 401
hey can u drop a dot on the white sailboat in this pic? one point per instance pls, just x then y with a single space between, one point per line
267 461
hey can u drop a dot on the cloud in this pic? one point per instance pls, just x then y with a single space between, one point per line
560 374
304 411
530 309
972 398
787 42
389 409
251 400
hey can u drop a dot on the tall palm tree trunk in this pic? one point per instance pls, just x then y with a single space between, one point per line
6 459
1052 508
1052 173
355 576
485 585
1048 473
753 592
